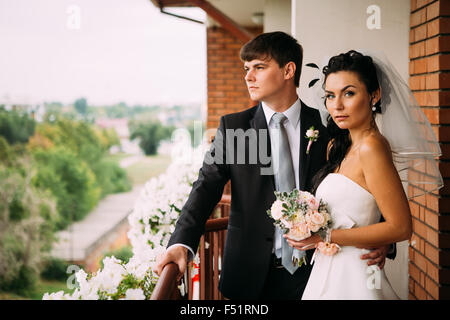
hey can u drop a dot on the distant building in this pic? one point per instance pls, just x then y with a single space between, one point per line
35 109
121 127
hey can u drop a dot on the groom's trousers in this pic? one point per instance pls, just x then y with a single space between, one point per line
281 285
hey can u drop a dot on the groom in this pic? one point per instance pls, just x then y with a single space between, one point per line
243 151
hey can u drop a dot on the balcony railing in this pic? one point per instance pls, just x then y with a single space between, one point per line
210 253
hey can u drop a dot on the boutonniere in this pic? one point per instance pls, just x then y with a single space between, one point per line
312 135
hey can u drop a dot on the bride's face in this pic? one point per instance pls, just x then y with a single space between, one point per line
347 100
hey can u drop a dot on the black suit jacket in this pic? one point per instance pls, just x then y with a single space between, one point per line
250 233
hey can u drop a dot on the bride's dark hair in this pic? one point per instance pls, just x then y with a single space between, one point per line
340 139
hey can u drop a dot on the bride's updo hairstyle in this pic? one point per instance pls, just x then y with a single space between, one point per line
364 67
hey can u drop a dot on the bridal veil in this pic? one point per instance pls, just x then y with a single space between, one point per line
402 122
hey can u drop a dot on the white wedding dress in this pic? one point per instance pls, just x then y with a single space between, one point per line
345 276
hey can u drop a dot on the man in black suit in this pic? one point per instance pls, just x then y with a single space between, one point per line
241 152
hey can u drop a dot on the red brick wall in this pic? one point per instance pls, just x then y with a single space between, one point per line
227 92
429 69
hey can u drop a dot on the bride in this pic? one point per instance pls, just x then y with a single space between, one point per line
361 180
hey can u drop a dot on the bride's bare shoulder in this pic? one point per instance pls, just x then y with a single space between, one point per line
375 145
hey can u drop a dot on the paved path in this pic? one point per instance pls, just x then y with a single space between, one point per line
74 242
130 160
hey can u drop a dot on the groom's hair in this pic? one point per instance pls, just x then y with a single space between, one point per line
275 45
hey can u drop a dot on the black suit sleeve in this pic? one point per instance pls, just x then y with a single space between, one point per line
205 194
392 253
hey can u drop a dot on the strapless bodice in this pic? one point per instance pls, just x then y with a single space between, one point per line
345 275
350 204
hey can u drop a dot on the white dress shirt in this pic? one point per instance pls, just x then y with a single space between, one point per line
292 126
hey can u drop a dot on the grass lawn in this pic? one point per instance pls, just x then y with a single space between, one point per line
150 166
11 296
117 157
50 286
42 287
141 171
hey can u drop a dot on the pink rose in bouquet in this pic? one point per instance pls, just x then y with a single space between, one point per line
276 209
299 231
299 214
315 220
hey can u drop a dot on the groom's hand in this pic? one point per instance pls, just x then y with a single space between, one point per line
176 254
376 256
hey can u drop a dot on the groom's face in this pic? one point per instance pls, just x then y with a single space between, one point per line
264 79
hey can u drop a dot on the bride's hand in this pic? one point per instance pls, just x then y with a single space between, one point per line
305 244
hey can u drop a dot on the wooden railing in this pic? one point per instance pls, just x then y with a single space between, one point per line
167 288
210 252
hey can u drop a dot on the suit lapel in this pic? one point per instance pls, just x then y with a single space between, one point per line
258 122
306 121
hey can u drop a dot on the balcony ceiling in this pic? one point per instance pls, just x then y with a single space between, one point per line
238 10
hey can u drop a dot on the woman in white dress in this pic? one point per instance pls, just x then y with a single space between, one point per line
360 183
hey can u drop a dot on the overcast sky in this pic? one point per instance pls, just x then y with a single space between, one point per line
113 51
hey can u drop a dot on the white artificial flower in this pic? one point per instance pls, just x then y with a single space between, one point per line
156 200
54 296
134 294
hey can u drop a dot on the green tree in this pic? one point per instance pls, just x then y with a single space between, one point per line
150 135
6 153
78 136
70 180
15 126
110 177
27 215
81 106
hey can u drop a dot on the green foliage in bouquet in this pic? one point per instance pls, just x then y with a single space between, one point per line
297 207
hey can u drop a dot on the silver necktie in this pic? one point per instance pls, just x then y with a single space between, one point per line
285 183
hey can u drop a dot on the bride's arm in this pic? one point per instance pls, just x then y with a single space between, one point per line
384 183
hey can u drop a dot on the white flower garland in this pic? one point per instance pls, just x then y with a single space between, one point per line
151 223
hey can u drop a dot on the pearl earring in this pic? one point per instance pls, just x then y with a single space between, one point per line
374 108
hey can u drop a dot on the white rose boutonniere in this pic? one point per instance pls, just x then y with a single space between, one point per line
312 135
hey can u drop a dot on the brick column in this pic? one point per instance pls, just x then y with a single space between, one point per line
429 69
227 92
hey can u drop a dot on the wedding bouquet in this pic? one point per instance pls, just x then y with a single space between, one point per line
299 214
